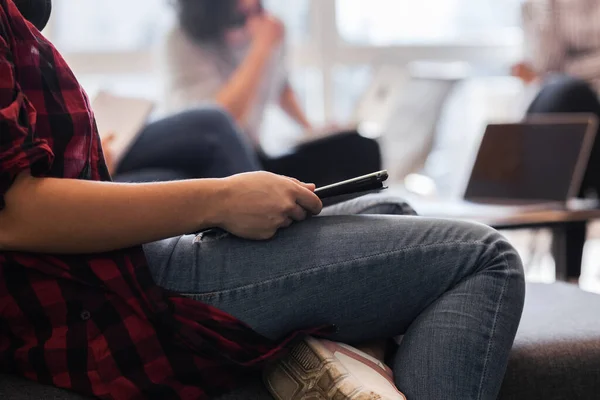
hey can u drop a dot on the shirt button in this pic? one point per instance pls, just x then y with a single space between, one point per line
85 315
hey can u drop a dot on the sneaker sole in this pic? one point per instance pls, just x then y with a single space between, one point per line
311 372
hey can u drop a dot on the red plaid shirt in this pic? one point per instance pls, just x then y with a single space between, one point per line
96 324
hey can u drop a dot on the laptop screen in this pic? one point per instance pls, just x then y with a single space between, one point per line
530 161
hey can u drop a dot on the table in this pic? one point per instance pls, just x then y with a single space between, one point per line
566 224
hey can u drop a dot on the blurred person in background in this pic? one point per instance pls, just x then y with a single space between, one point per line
231 53
563 44
562 39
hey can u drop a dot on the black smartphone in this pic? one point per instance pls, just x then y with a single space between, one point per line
366 183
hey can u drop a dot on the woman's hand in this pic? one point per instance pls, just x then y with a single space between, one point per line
256 205
267 29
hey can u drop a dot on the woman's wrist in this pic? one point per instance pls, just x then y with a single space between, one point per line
212 198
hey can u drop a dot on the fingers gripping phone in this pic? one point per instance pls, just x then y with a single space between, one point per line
352 188
338 192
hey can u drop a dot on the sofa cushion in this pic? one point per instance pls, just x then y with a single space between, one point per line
556 354
16 388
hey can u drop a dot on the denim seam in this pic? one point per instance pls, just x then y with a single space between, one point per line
166 264
335 264
494 324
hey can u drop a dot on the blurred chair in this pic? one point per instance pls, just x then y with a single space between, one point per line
409 134
472 105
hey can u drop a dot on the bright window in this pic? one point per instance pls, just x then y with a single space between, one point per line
92 26
335 44
133 25
387 23
295 14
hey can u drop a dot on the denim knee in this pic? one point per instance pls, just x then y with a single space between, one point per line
496 246
209 117
510 266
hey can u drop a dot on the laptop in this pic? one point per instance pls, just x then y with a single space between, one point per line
540 160
122 116
534 165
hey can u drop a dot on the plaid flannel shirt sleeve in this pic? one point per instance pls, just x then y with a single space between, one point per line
20 150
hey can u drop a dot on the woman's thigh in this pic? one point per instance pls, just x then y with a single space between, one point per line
371 276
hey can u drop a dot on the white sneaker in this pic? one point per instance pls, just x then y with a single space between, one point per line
318 369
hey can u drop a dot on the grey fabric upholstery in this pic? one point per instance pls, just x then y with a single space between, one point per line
15 388
556 354
557 351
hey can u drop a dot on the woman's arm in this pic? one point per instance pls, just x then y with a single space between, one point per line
239 94
288 102
73 217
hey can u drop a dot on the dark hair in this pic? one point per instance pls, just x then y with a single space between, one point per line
206 20
35 11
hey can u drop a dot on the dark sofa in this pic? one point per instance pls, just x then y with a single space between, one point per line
556 355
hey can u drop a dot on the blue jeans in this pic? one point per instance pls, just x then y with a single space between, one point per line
199 143
455 291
